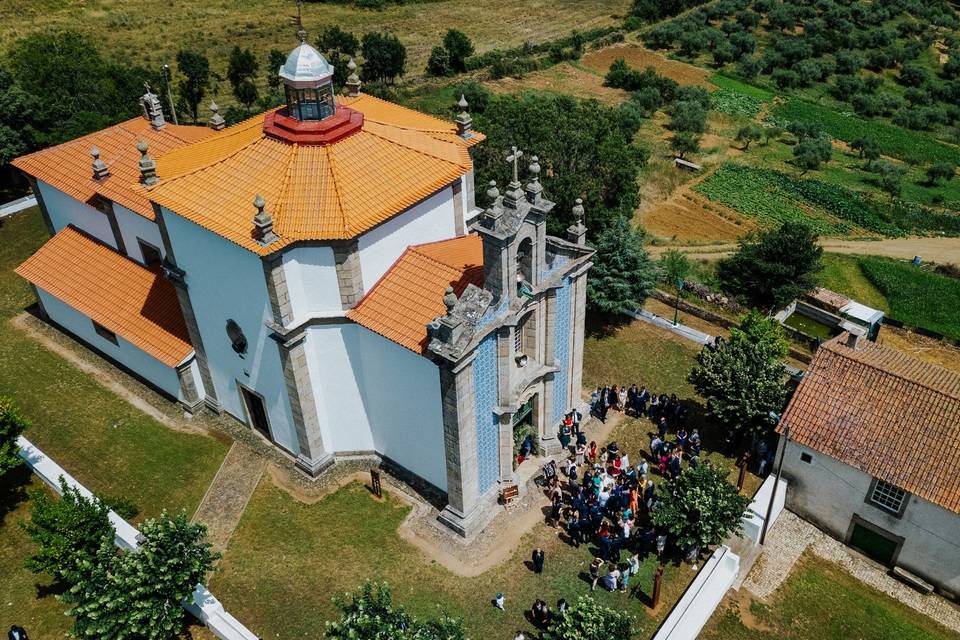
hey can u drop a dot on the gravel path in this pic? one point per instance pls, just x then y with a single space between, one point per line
229 492
790 536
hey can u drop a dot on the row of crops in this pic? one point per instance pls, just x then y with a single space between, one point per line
893 140
917 297
737 98
774 197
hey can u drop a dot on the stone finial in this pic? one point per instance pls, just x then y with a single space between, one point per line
534 188
262 223
152 111
463 120
148 168
449 300
217 123
577 232
100 169
493 193
353 80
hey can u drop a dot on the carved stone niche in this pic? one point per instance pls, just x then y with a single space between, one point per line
451 333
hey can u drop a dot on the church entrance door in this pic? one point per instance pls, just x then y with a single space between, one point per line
256 411
525 430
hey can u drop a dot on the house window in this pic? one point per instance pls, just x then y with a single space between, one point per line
806 457
104 333
888 496
151 255
518 336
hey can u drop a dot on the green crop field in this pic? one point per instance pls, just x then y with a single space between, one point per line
893 140
737 98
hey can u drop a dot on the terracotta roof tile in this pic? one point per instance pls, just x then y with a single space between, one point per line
68 166
885 413
336 191
134 302
410 293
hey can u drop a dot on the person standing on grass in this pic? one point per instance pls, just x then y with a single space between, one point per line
498 601
662 427
17 633
537 558
654 411
595 572
595 402
612 578
604 403
631 406
573 530
642 399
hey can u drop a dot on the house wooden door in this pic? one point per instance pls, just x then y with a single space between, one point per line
256 411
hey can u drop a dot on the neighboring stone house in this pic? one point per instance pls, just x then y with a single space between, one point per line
874 456
320 272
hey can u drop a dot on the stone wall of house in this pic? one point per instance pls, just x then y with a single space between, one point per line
833 495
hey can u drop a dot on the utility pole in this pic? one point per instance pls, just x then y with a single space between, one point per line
676 311
166 81
776 483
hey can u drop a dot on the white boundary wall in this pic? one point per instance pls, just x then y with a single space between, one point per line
757 511
203 604
702 597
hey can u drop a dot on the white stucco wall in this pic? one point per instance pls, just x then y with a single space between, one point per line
144 365
427 221
132 226
829 493
65 210
374 395
311 276
227 282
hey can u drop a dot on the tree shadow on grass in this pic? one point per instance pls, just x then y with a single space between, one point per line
13 489
603 325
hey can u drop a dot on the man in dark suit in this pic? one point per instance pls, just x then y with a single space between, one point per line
17 633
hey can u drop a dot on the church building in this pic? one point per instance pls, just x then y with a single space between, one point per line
321 273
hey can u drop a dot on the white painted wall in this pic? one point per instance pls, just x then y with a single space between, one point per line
132 226
144 365
829 493
427 221
226 282
311 275
701 598
65 210
373 394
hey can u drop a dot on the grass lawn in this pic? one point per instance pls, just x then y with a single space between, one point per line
842 273
821 601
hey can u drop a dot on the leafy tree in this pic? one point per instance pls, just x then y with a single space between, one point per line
688 116
771 132
914 75
749 133
438 64
742 378
275 60
384 57
12 425
623 275
583 146
699 507
138 594
68 532
371 615
810 153
587 619
940 171
648 99
773 267
890 176
16 119
196 71
684 142
338 45
241 70
459 48
674 265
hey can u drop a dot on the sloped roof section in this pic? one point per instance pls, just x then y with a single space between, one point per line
888 414
410 293
331 191
68 166
134 302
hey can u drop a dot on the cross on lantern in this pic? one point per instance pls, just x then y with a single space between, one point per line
514 157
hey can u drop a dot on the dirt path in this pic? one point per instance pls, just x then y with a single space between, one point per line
228 494
939 250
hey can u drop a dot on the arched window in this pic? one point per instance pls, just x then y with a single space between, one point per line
525 261
237 340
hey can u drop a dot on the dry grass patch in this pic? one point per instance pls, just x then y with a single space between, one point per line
639 57
563 78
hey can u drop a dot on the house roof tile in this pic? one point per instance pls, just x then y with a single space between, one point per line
68 166
134 302
885 413
410 293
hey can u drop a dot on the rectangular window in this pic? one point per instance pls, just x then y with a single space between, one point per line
151 255
806 457
518 337
104 333
888 496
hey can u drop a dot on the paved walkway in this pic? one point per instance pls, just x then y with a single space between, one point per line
229 492
790 536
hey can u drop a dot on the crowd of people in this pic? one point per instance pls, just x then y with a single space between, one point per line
600 497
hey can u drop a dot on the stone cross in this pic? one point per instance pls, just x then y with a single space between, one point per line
514 157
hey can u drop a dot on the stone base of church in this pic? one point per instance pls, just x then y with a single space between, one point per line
314 467
550 446
469 524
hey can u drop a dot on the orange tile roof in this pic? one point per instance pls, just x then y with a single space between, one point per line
885 413
410 293
331 192
68 166
134 302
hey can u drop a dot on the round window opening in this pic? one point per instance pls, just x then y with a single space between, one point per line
237 340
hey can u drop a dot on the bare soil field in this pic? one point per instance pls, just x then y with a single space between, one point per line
563 78
684 217
639 57
151 34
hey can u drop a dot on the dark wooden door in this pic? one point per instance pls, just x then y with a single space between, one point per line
257 411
